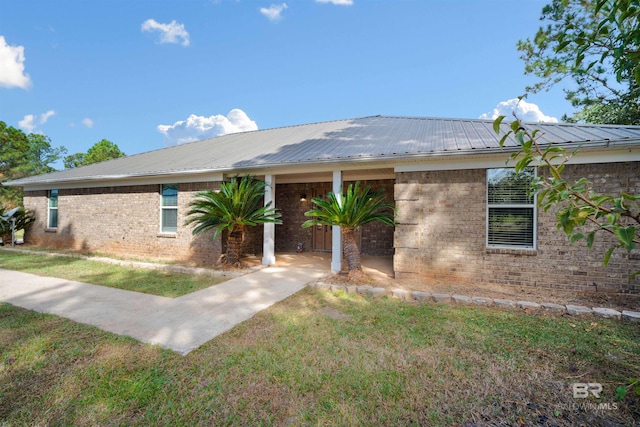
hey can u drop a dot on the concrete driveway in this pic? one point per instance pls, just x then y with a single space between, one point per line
180 324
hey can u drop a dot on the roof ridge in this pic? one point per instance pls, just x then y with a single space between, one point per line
460 119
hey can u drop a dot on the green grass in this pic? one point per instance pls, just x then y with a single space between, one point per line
154 282
323 359
96 254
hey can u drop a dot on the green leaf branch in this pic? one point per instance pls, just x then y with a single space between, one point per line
580 212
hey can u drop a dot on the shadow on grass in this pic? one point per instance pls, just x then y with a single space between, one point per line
98 376
323 359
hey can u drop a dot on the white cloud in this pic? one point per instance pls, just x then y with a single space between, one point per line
30 122
12 66
87 122
337 2
196 128
273 12
46 116
169 33
525 111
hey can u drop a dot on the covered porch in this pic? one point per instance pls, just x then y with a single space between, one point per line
292 195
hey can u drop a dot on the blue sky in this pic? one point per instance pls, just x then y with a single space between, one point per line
147 74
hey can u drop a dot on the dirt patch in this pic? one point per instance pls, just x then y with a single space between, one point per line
335 314
360 279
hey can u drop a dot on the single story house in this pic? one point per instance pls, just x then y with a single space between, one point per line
461 213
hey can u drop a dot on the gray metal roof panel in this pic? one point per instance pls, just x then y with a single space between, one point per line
376 137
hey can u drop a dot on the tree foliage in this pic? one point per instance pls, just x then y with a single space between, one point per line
40 155
99 152
357 206
236 206
23 155
581 213
595 43
13 145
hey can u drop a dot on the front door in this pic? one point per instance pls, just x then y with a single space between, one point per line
322 234
322 238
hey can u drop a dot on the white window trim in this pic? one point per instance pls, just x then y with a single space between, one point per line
49 209
533 205
162 208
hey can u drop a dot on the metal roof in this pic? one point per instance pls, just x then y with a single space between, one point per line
367 138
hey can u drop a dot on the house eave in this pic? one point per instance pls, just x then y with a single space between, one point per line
630 150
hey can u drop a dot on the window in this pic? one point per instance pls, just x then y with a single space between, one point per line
52 214
169 209
511 209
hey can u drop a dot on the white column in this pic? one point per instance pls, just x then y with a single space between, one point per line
336 238
268 245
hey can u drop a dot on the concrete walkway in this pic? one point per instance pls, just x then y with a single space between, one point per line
180 324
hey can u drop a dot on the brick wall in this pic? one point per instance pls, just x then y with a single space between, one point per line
377 238
441 234
126 220
121 220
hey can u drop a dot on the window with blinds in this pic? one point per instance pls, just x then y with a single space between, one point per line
511 208
169 209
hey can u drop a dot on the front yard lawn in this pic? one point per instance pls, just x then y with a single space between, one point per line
161 283
325 359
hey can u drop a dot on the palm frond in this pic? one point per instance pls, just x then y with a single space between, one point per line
238 203
356 207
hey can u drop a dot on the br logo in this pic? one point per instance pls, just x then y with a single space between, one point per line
582 390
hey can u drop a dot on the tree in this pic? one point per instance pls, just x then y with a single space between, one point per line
21 156
40 155
236 206
99 152
355 208
13 145
590 41
595 43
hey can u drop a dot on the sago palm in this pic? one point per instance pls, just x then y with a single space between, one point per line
236 206
357 206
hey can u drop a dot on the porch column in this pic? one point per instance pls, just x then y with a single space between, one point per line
336 238
268 244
